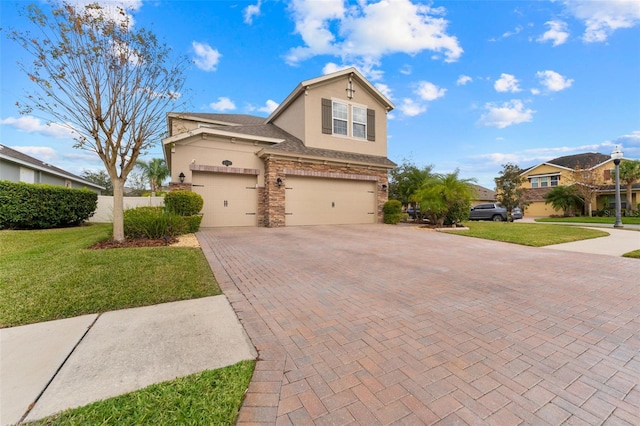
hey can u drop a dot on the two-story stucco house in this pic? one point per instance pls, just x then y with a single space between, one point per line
561 171
319 158
18 167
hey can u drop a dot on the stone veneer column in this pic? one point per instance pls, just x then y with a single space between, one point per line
274 196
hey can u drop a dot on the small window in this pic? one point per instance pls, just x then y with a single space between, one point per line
554 180
340 118
359 122
534 182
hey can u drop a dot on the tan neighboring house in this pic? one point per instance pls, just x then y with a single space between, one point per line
319 158
483 195
542 178
18 167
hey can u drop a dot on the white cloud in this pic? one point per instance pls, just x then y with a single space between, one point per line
506 83
251 11
45 154
506 114
554 81
269 106
112 10
385 90
207 58
328 28
463 79
331 67
602 18
411 108
429 91
557 33
223 104
406 69
32 124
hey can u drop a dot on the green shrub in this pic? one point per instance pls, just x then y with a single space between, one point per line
193 223
183 203
153 222
392 210
36 206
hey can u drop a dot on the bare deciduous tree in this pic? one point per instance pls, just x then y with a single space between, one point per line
109 83
587 182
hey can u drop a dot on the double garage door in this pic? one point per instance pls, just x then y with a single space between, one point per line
317 201
232 200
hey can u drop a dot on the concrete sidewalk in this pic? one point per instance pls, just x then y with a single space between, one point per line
68 363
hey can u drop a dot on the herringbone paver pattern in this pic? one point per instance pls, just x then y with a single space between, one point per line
381 325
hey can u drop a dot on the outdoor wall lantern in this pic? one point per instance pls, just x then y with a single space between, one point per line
181 176
279 182
384 187
617 155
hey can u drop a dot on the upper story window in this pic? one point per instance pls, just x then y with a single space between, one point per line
339 118
544 181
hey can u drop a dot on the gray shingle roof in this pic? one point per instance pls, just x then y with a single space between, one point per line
41 165
586 160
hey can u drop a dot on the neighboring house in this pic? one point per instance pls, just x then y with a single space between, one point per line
18 167
483 195
319 158
542 178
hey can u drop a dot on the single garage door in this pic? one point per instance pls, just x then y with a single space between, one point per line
229 199
317 201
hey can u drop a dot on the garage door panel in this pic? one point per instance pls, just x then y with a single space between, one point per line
229 200
317 201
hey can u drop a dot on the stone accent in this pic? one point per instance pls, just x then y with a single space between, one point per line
274 212
175 186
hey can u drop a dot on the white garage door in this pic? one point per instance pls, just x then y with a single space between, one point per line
229 199
316 201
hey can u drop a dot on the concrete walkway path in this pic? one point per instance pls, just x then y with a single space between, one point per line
382 325
68 363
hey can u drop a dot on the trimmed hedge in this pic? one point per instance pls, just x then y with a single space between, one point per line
37 206
392 212
152 223
184 203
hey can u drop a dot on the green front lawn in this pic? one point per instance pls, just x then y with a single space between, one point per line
587 219
212 397
528 234
50 274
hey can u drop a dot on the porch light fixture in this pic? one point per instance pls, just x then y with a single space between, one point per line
181 176
279 182
384 187
227 163
616 155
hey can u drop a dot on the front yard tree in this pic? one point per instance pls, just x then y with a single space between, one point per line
155 172
510 191
444 196
109 83
629 174
405 180
588 181
564 198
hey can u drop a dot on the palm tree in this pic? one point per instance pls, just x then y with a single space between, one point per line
155 171
445 196
564 198
629 174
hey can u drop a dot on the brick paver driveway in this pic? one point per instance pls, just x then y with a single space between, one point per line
378 324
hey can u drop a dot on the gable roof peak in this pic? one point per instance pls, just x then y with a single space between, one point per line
584 160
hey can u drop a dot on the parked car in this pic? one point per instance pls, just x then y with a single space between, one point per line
516 213
412 212
488 211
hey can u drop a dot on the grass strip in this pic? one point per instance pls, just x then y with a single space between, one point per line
632 254
50 274
587 219
528 234
212 397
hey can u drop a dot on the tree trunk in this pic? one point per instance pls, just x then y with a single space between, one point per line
629 195
118 209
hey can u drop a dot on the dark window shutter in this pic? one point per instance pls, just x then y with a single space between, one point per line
371 125
607 174
327 116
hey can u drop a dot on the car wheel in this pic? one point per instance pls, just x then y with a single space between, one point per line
496 218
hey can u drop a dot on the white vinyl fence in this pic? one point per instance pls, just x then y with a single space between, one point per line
104 212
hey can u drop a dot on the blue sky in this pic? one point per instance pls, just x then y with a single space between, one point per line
476 84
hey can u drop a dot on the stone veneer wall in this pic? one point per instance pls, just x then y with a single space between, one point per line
274 196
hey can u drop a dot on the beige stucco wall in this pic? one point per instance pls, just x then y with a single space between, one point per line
336 90
208 150
292 118
539 208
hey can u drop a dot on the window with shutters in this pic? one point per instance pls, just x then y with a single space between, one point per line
339 118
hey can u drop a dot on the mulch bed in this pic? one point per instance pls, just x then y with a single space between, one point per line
132 243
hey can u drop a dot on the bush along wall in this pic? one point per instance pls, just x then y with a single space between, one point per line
187 204
392 212
35 206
